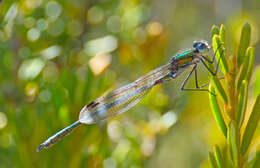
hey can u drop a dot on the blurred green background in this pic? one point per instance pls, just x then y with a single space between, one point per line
57 56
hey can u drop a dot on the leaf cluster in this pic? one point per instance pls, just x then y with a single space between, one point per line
231 103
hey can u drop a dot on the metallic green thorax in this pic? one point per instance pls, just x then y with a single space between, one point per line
184 54
184 58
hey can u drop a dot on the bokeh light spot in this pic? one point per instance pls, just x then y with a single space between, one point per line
53 9
42 24
99 63
101 45
56 28
29 69
51 52
114 24
154 28
31 89
33 34
95 15
168 119
75 28
33 3
148 145
3 120
29 22
113 130
45 96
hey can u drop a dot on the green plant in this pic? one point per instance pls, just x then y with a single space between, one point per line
231 103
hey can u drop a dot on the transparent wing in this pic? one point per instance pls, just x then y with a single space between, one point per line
122 99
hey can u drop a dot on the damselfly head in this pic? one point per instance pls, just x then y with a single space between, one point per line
201 46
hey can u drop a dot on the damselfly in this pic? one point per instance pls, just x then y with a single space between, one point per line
122 99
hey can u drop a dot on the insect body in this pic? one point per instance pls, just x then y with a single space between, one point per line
124 98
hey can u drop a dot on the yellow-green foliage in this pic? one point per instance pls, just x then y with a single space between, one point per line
237 70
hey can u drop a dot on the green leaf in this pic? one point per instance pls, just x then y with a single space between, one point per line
212 161
217 85
245 68
220 89
219 50
222 34
214 30
218 157
251 126
242 103
233 142
257 82
251 54
216 111
244 43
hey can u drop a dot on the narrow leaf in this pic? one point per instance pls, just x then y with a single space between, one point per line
251 54
245 68
220 89
218 157
214 30
233 142
257 81
216 111
244 43
251 126
219 50
222 34
242 103
217 85
212 161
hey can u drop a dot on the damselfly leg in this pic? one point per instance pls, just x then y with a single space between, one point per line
194 69
198 88
212 62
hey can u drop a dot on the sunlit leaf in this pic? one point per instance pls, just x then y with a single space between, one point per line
212 161
218 157
222 34
242 103
219 51
217 85
216 111
251 53
251 126
244 43
245 66
233 142
214 30
257 82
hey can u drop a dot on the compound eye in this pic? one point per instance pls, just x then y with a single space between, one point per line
195 44
202 45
